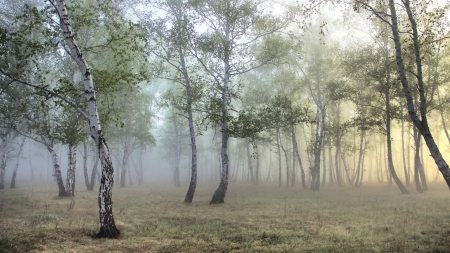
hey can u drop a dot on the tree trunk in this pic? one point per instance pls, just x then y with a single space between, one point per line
250 163
193 183
324 168
85 170
130 181
360 157
13 180
295 146
70 181
177 152
393 174
418 166
338 147
404 155
94 173
123 172
417 163
349 180
141 170
56 169
280 182
108 228
219 194
315 183
287 164
330 171
3 161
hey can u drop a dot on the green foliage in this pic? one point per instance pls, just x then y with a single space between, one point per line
283 113
274 49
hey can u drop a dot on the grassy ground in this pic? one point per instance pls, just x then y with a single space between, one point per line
152 218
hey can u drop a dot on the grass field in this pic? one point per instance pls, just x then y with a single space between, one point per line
152 218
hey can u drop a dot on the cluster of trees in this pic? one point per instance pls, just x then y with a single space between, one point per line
262 73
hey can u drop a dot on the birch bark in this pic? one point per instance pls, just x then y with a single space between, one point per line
13 180
108 228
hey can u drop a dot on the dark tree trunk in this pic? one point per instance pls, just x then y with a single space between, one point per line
123 173
250 163
417 163
349 180
406 171
94 173
141 170
257 165
3 162
85 170
280 182
393 174
330 171
56 170
324 168
13 180
295 146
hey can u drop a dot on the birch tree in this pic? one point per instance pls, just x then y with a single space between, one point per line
108 228
233 27
172 38
421 123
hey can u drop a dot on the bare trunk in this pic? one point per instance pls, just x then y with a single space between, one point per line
85 169
3 162
287 164
393 174
417 163
13 180
56 170
324 168
360 158
404 155
70 180
141 170
349 180
257 164
219 194
123 173
330 171
315 183
177 153
295 146
250 163
94 173
280 182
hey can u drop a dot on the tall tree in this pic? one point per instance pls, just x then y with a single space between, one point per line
108 228
420 119
173 40
232 27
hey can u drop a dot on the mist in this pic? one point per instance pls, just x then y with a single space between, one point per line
231 126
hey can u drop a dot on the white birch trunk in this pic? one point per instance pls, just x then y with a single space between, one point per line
13 180
56 167
70 180
3 161
219 194
107 225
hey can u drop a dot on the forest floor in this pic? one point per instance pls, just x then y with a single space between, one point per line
153 218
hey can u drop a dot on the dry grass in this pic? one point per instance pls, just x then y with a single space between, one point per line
152 218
